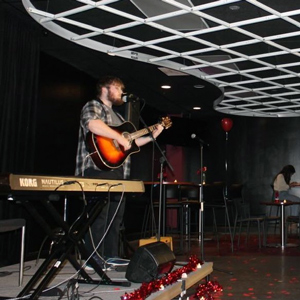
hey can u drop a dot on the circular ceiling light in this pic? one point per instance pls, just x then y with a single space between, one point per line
196 108
165 86
234 7
199 86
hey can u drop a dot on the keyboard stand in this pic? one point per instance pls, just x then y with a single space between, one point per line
64 249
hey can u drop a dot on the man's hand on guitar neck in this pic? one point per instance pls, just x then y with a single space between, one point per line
157 130
155 133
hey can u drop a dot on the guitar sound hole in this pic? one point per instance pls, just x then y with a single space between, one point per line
126 135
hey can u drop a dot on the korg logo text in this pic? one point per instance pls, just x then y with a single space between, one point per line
28 182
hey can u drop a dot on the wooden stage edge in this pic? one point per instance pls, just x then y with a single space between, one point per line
174 290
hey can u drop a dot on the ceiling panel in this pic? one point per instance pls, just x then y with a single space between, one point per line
247 49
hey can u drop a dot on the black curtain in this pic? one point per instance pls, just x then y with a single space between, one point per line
19 70
19 65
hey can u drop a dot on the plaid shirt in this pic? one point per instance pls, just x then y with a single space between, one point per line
93 110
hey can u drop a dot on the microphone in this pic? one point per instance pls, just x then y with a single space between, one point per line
194 136
129 98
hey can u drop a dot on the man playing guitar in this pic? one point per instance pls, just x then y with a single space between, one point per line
98 120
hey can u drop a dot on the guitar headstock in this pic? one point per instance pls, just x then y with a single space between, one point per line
166 122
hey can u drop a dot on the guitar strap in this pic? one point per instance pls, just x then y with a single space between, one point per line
119 116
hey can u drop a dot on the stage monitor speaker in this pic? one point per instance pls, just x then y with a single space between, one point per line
150 262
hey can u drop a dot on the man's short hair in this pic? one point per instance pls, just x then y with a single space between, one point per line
108 80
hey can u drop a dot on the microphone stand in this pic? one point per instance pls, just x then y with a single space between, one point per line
201 209
201 203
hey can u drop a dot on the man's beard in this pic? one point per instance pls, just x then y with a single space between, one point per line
115 101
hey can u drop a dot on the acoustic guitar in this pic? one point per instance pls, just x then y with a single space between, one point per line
106 153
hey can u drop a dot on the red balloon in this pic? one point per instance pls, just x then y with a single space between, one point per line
226 124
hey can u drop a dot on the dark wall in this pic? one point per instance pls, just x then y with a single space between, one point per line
62 93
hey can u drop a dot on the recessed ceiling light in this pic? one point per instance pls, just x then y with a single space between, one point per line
196 108
165 86
234 7
199 86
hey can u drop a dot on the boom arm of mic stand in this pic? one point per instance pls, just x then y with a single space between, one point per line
158 147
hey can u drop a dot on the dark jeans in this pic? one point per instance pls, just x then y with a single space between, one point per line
110 245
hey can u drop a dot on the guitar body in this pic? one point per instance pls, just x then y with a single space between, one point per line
107 153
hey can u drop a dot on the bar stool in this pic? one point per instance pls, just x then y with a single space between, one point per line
172 206
9 225
189 195
244 217
270 218
215 199
291 219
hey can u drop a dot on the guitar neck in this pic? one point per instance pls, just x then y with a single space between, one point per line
142 132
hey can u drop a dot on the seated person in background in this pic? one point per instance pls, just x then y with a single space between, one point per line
282 184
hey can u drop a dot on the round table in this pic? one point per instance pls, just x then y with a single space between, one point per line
282 204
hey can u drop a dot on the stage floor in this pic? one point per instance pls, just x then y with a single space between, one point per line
246 273
58 289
